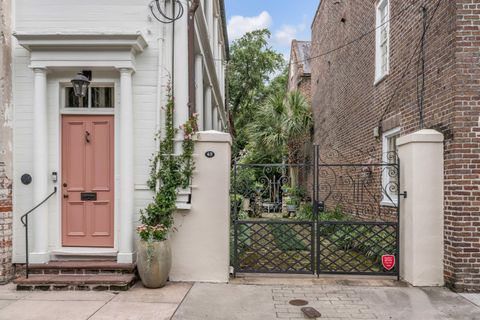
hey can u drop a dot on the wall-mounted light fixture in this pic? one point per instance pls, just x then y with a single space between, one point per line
80 85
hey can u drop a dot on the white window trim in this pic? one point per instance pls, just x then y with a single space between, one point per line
89 110
379 76
385 178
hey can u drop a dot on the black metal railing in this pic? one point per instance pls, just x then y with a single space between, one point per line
24 220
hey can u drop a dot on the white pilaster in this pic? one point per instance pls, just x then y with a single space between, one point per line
181 82
199 91
215 118
208 107
209 16
125 243
215 39
40 168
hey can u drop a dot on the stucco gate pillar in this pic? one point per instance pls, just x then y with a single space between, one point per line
421 213
200 244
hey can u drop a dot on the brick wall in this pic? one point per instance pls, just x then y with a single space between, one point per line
347 105
298 79
5 144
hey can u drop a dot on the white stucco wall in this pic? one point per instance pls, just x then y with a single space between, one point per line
152 67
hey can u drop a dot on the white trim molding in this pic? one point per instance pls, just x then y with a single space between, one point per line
382 24
393 200
64 50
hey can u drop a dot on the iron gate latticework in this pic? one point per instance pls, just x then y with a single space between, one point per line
334 215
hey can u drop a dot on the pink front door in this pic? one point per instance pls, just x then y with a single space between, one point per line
87 181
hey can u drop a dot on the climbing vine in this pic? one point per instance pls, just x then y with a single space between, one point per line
168 173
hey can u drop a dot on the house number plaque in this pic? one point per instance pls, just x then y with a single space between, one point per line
209 154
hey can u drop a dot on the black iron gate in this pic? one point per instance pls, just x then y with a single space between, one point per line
333 215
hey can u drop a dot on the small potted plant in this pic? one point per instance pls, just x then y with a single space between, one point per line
169 172
292 204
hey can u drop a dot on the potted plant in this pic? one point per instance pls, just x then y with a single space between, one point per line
292 204
169 172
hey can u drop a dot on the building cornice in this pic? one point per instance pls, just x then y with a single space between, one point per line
33 41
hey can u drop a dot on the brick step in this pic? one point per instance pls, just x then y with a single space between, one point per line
97 282
82 267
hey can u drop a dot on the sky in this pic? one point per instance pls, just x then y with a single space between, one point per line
286 19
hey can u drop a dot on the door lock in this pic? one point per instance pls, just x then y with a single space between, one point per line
65 196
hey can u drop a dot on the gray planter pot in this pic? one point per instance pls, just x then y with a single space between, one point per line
154 261
291 207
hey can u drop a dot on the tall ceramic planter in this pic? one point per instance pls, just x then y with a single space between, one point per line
154 261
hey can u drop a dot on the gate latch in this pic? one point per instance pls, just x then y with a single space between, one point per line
321 206
404 195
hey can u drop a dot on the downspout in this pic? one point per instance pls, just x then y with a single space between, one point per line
191 57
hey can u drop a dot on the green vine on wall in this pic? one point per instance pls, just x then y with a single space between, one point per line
168 173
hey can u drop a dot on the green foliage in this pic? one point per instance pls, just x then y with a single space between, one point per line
252 64
243 181
281 125
292 201
244 234
305 212
333 215
286 238
365 239
368 240
168 173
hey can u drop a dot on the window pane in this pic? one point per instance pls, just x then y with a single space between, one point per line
71 101
102 97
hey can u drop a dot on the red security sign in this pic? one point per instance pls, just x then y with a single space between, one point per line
388 261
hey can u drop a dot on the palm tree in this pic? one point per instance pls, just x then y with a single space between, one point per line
282 125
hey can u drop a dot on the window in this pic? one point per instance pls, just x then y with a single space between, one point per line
97 97
382 40
390 173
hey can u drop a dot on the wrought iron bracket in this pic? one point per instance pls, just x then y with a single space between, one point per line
404 195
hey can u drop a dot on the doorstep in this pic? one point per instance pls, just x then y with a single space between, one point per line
56 282
72 253
78 275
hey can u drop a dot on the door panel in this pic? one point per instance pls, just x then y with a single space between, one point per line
101 164
87 166
75 219
76 164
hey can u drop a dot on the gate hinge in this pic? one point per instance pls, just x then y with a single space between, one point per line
404 195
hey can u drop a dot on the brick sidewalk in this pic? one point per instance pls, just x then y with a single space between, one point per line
332 302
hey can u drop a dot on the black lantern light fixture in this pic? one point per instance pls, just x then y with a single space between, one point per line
80 85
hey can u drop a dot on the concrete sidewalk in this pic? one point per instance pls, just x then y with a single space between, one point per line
137 303
262 302
256 299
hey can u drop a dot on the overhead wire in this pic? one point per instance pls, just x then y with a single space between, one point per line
407 67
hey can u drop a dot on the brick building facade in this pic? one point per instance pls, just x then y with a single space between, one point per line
299 73
355 109
5 143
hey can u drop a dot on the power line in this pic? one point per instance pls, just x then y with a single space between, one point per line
351 41
422 61
407 67
356 39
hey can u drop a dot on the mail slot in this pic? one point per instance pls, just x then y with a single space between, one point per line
88 196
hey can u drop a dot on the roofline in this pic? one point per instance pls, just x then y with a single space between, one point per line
224 25
316 14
